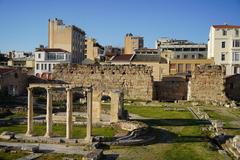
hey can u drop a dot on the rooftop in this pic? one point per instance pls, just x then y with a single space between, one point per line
51 50
5 70
148 58
125 57
226 26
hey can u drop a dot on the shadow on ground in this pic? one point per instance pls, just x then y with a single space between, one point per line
165 136
110 156
175 122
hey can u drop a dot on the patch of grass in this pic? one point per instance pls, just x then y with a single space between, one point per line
213 114
158 112
191 151
58 156
16 115
178 136
11 156
60 130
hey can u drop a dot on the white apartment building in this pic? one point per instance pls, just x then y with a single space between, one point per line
224 47
47 58
182 49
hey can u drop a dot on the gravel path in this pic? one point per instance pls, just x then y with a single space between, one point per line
55 148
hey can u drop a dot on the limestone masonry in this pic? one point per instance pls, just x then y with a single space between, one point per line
136 82
207 84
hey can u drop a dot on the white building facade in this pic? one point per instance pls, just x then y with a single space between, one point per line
224 47
182 49
47 58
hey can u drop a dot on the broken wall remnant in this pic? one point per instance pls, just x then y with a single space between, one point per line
135 81
171 88
208 84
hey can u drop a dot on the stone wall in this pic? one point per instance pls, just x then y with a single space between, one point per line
136 82
232 87
207 84
14 82
171 89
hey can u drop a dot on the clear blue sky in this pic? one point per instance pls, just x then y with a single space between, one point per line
23 23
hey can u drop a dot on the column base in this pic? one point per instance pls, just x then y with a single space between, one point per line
68 137
29 134
48 135
89 139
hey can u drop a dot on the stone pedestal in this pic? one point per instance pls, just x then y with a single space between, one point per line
49 114
30 113
69 123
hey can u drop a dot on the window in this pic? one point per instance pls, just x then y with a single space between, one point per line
223 57
37 66
60 56
188 67
224 32
39 55
223 44
178 56
180 68
45 66
200 56
235 70
172 66
193 56
236 32
235 56
49 67
41 66
236 43
185 56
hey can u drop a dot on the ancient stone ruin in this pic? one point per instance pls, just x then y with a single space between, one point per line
49 108
136 82
207 84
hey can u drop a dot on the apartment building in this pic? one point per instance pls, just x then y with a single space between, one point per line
224 47
67 37
93 50
132 42
110 51
47 58
182 49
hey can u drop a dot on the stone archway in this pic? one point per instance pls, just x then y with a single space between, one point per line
116 107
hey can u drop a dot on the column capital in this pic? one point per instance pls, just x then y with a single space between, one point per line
29 88
89 89
49 90
69 89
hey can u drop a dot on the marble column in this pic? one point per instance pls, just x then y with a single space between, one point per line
49 109
69 122
30 113
89 115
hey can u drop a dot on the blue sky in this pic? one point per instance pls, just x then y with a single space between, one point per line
23 23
